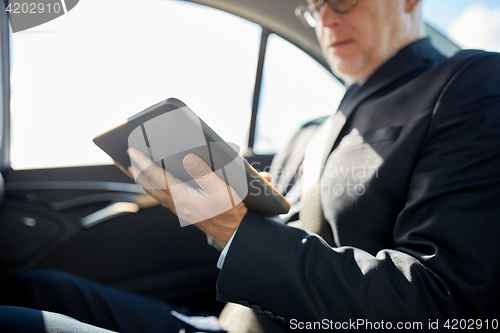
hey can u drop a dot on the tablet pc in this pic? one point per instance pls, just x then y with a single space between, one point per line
167 131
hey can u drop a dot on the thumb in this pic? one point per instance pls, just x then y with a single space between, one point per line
266 175
202 173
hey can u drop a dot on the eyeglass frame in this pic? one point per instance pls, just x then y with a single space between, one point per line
302 9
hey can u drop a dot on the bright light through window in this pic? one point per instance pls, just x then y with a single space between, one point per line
469 23
295 89
89 70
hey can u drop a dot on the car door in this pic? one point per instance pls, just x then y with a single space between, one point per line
67 207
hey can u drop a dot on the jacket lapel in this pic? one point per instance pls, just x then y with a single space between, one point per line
406 64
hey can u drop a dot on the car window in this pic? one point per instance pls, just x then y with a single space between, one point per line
80 75
295 89
472 24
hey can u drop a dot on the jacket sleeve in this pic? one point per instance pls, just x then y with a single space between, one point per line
446 259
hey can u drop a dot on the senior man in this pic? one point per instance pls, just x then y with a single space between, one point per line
416 239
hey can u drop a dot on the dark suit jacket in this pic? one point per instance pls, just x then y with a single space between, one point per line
418 237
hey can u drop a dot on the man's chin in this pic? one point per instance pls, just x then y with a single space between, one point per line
343 72
346 69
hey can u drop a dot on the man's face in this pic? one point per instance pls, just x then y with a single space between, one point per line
356 43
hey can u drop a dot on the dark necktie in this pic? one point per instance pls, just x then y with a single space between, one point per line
348 93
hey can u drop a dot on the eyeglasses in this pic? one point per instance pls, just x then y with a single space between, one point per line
310 13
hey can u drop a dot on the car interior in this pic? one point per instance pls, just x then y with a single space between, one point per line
94 221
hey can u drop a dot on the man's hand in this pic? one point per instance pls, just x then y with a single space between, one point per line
266 175
208 207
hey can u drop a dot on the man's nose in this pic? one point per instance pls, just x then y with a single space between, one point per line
328 17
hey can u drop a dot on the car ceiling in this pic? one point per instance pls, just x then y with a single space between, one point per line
278 16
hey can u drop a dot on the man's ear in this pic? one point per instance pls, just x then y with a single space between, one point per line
411 5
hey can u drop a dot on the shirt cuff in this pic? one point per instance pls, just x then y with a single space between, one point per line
223 254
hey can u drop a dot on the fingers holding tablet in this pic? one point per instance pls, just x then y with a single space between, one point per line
191 205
